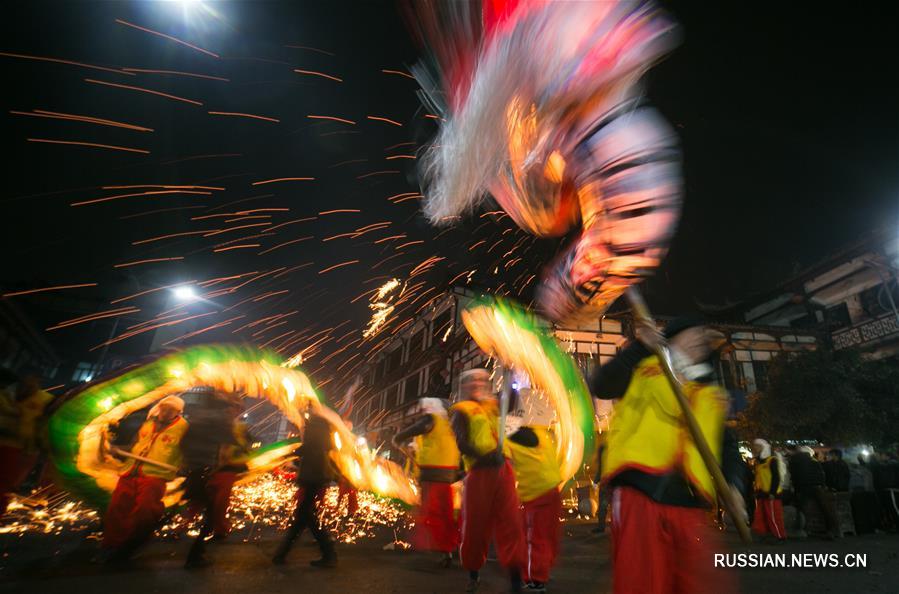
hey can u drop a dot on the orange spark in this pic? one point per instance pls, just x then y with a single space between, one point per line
91 144
281 179
339 235
220 231
108 198
58 61
212 188
407 75
202 330
389 148
247 218
408 243
385 172
246 212
40 113
388 120
169 37
332 118
169 236
143 90
280 245
135 263
176 72
400 157
412 197
347 263
237 247
327 212
311 49
400 236
243 115
94 316
120 299
56 288
314 73
278 226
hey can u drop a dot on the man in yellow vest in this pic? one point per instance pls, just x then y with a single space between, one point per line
437 458
136 505
490 507
22 406
769 511
538 479
662 537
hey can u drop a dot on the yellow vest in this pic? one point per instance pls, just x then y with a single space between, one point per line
32 412
160 446
647 432
763 476
438 447
536 469
238 452
483 422
21 420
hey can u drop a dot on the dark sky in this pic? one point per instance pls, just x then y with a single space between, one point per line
788 116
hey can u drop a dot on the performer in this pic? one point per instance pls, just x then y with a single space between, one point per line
232 462
438 460
136 505
345 489
537 476
314 475
662 536
22 406
769 512
211 430
489 502
544 111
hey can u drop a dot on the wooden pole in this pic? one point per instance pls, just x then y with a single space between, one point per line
505 396
641 313
119 452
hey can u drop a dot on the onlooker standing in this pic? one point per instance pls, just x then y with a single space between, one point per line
810 485
836 471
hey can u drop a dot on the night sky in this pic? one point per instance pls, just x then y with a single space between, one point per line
788 116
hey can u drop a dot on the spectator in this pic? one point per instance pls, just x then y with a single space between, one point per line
836 471
810 486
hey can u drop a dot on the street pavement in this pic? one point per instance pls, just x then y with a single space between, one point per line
37 563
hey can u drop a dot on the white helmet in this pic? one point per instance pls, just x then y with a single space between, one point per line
432 406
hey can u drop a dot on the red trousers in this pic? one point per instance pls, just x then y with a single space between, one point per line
345 489
134 510
543 527
769 517
490 510
435 527
218 493
663 549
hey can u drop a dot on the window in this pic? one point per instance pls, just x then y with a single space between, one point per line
441 324
876 300
837 316
415 345
392 399
806 321
394 359
726 374
760 370
411 391
83 373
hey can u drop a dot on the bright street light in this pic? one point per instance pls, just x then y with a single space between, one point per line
185 293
